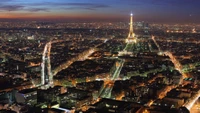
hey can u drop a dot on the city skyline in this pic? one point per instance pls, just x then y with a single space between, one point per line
101 67
153 11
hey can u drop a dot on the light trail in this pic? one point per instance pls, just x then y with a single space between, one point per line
150 47
105 91
129 47
192 101
165 91
160 96
173 59
63 109
177 65
153 38
118 70
105 40
120 96
82 56
34 64
154 78
43 65
49 65
150 103
179 41
46 59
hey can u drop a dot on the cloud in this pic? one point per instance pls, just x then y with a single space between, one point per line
21 8
38 9
86 6
11 7
45 6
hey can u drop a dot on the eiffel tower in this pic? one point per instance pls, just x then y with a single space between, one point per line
131 36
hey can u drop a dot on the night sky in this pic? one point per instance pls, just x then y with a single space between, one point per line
158 11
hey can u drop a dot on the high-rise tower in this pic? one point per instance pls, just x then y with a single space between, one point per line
131 36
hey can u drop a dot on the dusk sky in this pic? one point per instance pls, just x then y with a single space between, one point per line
166 11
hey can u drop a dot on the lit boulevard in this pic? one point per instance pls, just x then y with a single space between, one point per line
105 91
82 56
189 104
179 68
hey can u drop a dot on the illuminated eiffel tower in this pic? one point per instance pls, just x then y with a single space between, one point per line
131 36
131 41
